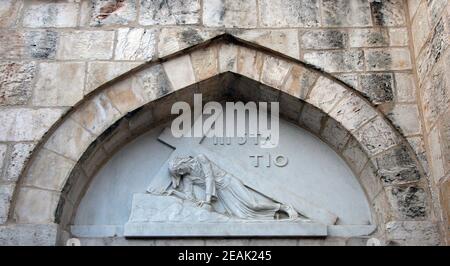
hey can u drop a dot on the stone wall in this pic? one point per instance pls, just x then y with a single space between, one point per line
430 26
53 54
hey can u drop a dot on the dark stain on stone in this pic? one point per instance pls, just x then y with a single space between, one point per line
411 201
377 7
378 88
41 45
109 8
191 36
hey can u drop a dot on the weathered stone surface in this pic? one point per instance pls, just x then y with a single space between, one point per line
59 84
97 114
323 39
406 118
388 59
6 194
325 94
29 235
378 88
289 13
24 124
250 63
412 7
398 37
299 81
49 171
377 136
408 202
58 15
388 12
349 79
290 107
86 45
229 13
274 71
9 12
101 72
70 140
312 118
420 28
283 41
353 112
174 12
3 149
337 61
19 156
396 166
180 72
135 44
354 13
413 233
112 12
368 37
405 87
355 156
205 63
228 55
436 154
35 206
436 96
370 181
435 8
16 44
16 82
335 134
172 40
417 143
444 132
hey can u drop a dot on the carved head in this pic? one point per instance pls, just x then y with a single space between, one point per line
178 167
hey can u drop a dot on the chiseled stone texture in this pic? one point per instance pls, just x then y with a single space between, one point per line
6 193
343 13
20 153
323 39
413 233
101 72
289 13
135 44
16 82
377 136
374 37
35 44
388 12
58 15
337 61
25 124
378 88
9 12
205 63
89 45
59 84
388 59
409 202
29 235
230 13
352 113
113 12
274 71
326 94
173 12
435 8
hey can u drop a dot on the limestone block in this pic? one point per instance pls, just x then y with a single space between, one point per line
406 118
353 112
420 28
299 81
19 156
57 15
274 71
172 40
355 156
153 83
180 72
405 87
25 124
435 9
174 12
229 13
388 59
289 13
48 171
97 114
70 140
417 143
250 63
312 118
6 194
205 62
29 235
16 82
284 41
111 12
388 12
99 73
59 84
3 149
378 88
290 107
75 185
336 61
323 39
326 94
436 154
408 202
412 7
377 136
9 12
444 132
342 13
135 44
350 80
396 166
125 97
335 134
412 233
90 45
398 37
228 55
35 206
370 181
15 44
382 211
374 37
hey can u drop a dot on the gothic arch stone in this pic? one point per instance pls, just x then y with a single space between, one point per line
390 174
